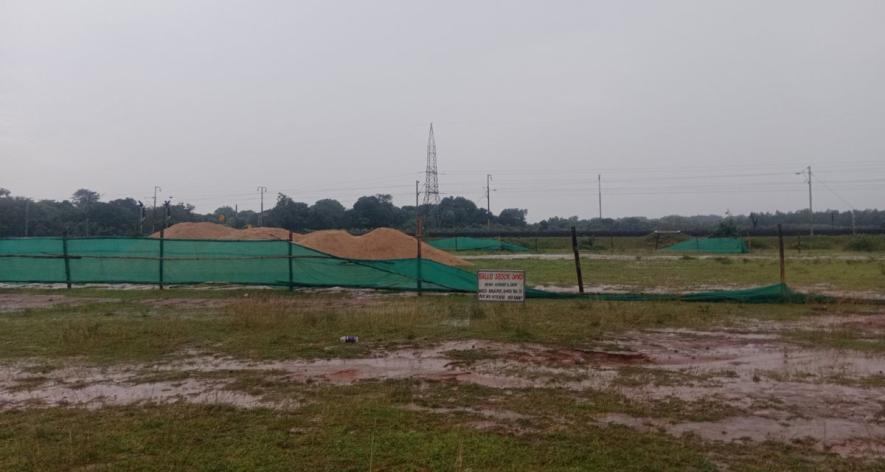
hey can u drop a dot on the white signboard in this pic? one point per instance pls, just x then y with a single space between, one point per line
500 285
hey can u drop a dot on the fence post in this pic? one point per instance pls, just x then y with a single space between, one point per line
64 248
577 260
162 243
419 229
291 285
780 250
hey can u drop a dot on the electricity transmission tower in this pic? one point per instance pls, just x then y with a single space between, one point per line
431 180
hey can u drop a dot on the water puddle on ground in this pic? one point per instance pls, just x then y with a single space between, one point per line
834 400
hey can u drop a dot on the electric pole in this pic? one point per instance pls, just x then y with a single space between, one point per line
599 187
140 223
489 201
27 215
167 212
261 190
154 212
417 213
807 173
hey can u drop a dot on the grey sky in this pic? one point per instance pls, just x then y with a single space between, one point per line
684 106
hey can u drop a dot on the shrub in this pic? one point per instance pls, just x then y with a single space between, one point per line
865 244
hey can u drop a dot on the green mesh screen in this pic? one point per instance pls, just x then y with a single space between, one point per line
464 243
711 245
137 260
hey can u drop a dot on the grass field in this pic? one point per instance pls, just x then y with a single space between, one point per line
642 245
694 273
188 379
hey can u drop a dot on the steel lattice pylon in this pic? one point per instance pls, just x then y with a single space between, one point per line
431 179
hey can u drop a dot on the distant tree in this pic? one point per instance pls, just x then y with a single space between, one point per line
225 215
459 212
512 217
289 214
84 197
726 229
4 192
327 214
374 212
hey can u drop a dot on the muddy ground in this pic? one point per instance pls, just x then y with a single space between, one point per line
771 389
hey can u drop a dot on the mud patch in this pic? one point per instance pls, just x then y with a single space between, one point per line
187 303
14 302
775 390
95 388
489 419
841 436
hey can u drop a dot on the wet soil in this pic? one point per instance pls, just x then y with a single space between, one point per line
14 302
832 400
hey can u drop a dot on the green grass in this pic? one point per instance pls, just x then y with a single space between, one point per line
818 245
278 324
365 427
690 273
373 425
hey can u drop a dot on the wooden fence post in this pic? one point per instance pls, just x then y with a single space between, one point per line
64 248
291 281
162 243
419 224
577 260
780 249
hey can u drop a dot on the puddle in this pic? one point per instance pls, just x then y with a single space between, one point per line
91 389
784 392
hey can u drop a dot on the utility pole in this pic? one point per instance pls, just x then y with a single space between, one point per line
417 212
810 208
154 212
261 190
489 200
807 174
599 186
140 223
27 215
167 212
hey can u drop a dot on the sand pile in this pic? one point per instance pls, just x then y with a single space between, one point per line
382 243
264 233
208 230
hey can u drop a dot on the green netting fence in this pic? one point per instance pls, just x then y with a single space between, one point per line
276 263
711 245
465 243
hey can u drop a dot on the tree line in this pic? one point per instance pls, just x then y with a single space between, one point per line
85 214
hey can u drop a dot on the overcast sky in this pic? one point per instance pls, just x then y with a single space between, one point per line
684 107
